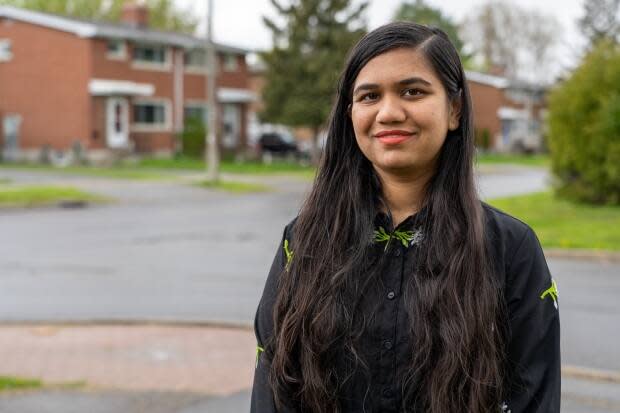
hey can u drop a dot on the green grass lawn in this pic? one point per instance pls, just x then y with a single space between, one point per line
14 383
30 196
526 160
114 172
235 187
563 224
157 169
247 167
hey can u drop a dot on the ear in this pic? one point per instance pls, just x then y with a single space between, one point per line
456 105
349 109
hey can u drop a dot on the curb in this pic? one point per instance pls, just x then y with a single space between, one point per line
231 325
585 373
583 255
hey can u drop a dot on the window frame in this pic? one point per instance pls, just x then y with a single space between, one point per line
166 65
6 50
119 55
197 104
195 68
165 126
230 62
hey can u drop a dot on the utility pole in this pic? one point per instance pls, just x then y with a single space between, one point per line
213 156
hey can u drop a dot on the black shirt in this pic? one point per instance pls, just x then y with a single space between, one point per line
533 347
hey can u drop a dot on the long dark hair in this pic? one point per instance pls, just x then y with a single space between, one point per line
452 296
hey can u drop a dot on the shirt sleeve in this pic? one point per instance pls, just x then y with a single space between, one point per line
533 358
262 397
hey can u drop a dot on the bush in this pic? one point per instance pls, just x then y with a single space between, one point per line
193 138
584 128
483 139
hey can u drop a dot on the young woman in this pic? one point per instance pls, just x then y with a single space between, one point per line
396 289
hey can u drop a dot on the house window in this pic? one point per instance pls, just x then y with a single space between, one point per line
116 49
196 111
150 54
195 58
6 52
230 63
151 115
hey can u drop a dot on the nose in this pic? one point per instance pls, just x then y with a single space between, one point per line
391 110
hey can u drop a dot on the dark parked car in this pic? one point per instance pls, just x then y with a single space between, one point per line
278 144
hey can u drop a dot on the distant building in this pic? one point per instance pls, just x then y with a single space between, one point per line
105 88
510 113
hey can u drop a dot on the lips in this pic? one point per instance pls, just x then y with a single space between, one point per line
392 137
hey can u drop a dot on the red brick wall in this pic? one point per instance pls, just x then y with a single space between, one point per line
46 82
486 101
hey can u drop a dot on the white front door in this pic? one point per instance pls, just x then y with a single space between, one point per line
117 122
232 126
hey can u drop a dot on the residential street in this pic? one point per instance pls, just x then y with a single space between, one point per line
165 251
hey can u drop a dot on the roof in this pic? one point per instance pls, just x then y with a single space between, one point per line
486 79
93 28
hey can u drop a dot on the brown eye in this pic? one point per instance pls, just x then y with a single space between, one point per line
369 96
413 92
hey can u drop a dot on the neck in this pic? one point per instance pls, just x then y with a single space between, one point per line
403 193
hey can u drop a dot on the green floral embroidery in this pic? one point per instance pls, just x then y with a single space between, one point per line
288 253
551 292
259 350
407 238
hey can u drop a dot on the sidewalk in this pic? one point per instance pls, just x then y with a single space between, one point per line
167 369
145 358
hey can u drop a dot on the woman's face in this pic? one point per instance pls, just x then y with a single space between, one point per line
401 113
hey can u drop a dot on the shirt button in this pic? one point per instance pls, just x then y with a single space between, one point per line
387 344
391 295
397 253
387 393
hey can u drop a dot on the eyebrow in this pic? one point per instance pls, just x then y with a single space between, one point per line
404 82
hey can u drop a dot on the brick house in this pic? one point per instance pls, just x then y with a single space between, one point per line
509 112
106 88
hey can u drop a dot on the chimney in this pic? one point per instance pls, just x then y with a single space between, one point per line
135 14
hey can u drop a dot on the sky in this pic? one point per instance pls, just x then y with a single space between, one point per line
239 22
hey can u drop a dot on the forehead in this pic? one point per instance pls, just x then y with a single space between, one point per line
396 65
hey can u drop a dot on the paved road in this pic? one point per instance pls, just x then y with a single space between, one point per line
166 251
157 253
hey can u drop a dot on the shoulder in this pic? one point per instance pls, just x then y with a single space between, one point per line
510 241
502 225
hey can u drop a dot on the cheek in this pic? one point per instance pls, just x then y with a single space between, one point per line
362 121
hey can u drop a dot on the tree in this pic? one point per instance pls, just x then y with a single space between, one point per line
163 14
600 20
513 38
308 53
584 128
421 12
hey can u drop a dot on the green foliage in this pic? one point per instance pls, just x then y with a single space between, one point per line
29 196
16 383
163 14
421 12
235 187
483 138
560 223
193 138
584 128
308 55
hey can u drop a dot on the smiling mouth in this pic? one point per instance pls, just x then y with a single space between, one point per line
393 137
